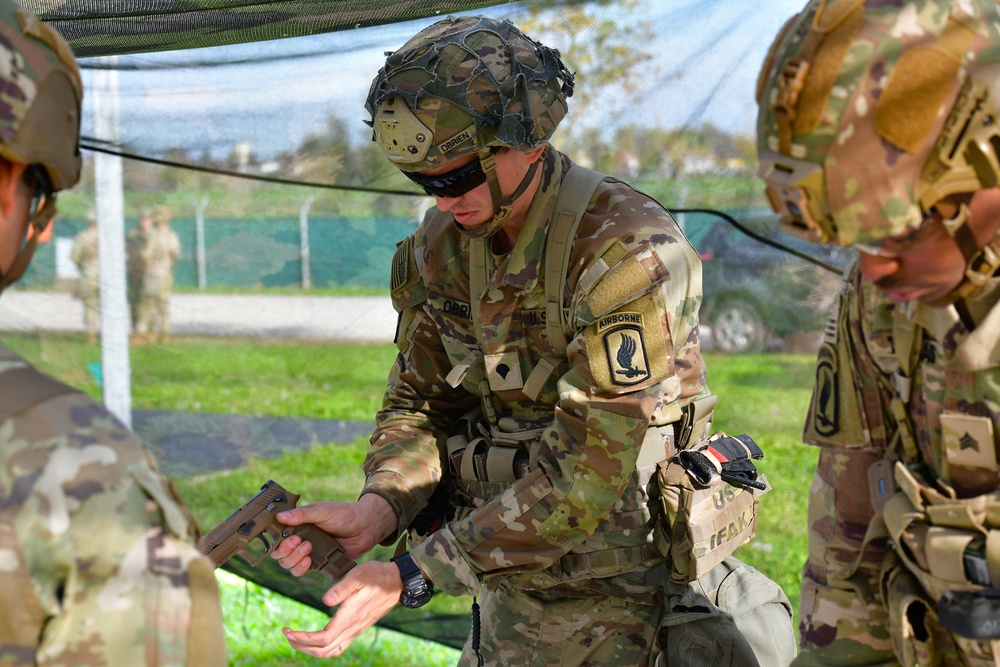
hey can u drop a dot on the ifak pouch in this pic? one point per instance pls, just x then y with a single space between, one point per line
709 494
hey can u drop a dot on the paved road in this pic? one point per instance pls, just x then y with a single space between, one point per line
191 443
369 319
342 318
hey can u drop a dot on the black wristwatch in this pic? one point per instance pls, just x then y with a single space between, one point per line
417 591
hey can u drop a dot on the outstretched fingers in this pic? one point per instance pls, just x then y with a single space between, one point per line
364 595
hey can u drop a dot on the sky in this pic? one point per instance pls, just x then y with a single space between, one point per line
706 57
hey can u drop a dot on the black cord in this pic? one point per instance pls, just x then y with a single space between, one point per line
476 630
762 239
87 145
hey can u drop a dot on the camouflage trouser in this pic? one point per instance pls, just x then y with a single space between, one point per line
839 629
154 304
134 292
528 628
687 630
91 312
875 613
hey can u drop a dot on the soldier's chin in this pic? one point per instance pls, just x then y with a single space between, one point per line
471 220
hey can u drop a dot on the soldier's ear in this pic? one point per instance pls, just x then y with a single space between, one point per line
13 201
535 155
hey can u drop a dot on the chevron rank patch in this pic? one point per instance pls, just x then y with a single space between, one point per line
627 347
968 440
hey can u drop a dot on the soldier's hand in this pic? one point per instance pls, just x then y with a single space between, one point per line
364 595
357 526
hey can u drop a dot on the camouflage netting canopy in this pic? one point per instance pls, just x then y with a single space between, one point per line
276 88
115 27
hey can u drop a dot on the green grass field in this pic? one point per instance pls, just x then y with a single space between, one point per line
763 395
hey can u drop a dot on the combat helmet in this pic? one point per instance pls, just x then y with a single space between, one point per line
871 115
468 85
42 95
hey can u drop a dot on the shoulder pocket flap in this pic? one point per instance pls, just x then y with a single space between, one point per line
624 282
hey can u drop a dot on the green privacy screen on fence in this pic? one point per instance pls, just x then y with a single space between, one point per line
350 253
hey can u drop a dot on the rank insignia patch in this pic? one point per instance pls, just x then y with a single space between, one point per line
968 440
504 371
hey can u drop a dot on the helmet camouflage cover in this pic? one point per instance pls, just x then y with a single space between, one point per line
40 98
872 113
462 85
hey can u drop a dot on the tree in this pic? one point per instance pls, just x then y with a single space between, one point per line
589 149
328 156
600 51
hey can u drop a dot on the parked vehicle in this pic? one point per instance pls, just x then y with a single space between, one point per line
756 296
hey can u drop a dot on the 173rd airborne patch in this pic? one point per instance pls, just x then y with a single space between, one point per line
627 348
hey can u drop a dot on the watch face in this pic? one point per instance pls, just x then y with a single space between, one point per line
417 591
415 599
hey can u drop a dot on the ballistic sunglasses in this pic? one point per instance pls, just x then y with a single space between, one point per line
454 183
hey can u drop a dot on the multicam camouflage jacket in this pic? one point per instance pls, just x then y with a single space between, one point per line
878 358
577 521
956 372
162 249
97 565
84 255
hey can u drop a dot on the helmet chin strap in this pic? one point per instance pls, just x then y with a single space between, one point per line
981 263
502 206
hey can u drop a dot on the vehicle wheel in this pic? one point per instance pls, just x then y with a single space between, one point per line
737 328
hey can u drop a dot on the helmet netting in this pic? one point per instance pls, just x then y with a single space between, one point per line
489 69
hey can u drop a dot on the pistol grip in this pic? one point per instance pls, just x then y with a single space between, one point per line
327 556
336 566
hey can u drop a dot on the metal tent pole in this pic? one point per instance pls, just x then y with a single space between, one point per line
304 242
199 230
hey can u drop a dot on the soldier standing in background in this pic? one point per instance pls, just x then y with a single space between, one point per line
97 561
163 248
135 262
878 129
88 287
528 410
